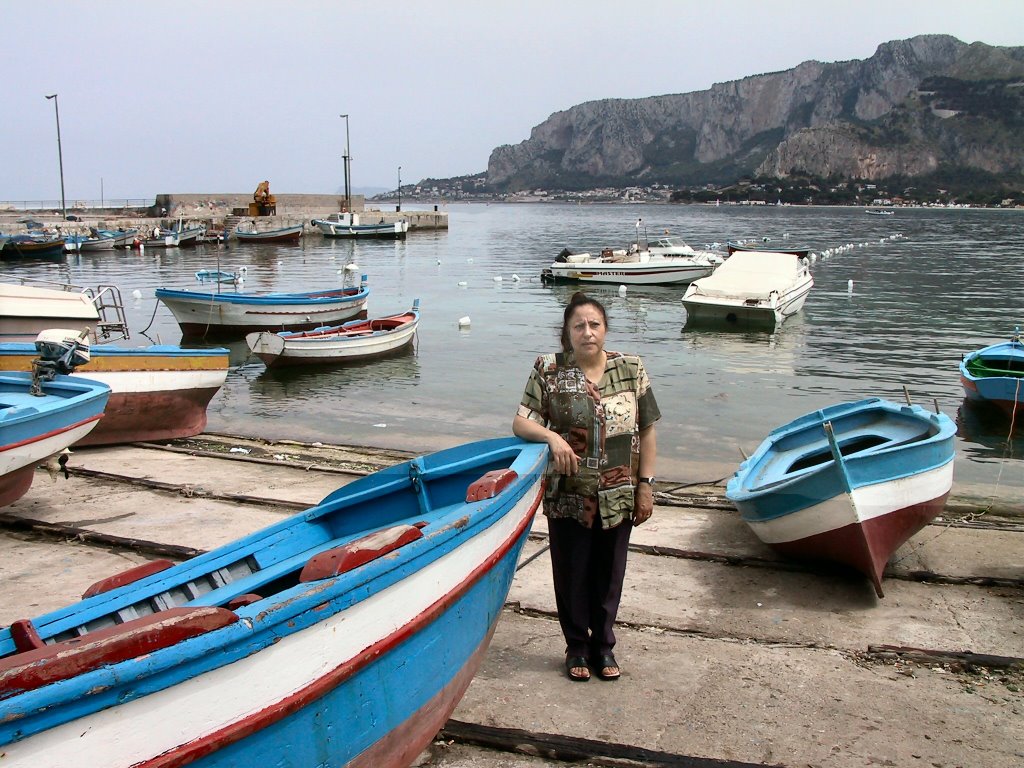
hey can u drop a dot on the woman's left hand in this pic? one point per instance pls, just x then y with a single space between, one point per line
643 504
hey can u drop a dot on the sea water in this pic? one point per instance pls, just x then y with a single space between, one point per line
897 301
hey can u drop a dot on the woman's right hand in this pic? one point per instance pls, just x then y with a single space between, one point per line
563 459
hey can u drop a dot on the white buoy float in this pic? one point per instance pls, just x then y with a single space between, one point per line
515 278
622 290
464 322
849 286
497 278
352 267
463 283
136 294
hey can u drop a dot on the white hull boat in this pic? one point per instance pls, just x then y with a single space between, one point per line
758 290
349 225
632 267
204 315
353 341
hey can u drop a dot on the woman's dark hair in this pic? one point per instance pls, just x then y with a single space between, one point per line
579 299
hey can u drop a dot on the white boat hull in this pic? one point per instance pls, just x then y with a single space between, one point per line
647 270
273 349
745 312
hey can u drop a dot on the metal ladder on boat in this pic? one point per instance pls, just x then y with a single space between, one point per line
112 325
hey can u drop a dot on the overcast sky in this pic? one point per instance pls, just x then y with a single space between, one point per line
215 96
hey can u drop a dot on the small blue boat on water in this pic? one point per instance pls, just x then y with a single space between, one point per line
44 411
849 483
342 636
995 374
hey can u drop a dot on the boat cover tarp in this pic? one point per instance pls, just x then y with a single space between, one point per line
751 275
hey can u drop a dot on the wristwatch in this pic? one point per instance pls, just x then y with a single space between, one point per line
648 480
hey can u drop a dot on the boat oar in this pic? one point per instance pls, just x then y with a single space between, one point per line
837 455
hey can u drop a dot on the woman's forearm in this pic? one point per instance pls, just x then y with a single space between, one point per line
648 452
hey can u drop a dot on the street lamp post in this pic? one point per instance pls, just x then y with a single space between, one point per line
399 209
348 159
60 156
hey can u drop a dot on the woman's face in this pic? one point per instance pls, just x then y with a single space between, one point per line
587 330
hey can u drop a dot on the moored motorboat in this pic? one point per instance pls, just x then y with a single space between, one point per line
344 635
26 309
353 341
349 225
632 266
764 246
995 374
43 411
227 315
159 392
750 290
850 483
291 234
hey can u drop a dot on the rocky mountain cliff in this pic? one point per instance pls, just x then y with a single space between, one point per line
915 106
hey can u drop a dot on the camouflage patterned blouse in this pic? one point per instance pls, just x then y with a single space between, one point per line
601 426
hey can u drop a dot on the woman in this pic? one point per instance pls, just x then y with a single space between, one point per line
596 411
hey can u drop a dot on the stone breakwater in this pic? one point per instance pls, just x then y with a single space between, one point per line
216 211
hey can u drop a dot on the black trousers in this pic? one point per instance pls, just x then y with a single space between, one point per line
588 566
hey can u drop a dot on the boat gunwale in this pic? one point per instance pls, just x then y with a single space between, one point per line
740 490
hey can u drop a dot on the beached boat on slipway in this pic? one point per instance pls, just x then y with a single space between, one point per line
44 411
344 635
159 392
849 483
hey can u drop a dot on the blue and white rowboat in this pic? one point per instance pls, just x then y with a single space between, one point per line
995 374
33 427
342 636
849 483
229 315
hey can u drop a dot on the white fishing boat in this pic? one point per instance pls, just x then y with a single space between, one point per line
632 266
354 341
351 226
750 289
208 315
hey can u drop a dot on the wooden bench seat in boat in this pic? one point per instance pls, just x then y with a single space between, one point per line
39 666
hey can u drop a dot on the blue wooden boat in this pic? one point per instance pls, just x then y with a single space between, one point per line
204 315
33 247
849 483
44 411
342 636
995 374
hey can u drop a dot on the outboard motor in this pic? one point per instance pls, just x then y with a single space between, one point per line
60 351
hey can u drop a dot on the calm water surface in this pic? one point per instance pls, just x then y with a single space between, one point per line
950 283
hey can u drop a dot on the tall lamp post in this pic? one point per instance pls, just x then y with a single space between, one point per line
60 156
348 159
399 209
